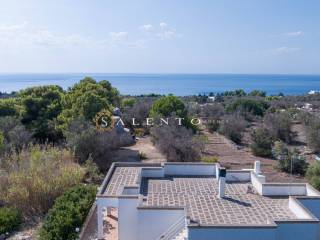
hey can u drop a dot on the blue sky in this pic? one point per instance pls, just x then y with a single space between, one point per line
167 36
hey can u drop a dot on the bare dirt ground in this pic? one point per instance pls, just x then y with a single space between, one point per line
235 157
144 145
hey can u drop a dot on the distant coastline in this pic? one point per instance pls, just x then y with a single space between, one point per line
178 84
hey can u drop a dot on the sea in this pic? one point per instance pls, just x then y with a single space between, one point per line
177 84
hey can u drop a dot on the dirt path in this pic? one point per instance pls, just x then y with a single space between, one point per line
145 146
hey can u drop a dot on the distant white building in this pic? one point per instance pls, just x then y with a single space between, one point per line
197 201
312 92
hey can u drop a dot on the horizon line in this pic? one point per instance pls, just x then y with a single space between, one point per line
162 73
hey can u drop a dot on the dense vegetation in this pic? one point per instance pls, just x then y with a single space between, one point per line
68 213
9 219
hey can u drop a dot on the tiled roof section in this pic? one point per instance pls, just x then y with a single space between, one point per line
199 195
122 176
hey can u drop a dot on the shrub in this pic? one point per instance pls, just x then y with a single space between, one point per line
233 126
313 135
279 124
36 177
86 141
143 155
213 114
139 110
92 171
313 175
177 143
16 136
292 161
248 106
128 102
262 142
68 213
258 93
212 126
10 219
210 159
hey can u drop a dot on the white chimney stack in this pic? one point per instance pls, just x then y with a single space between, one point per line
222 182
257 167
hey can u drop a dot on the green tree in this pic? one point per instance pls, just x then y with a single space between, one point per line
86 99
171 106
254 107
128 102
313 175
168 106
40 108
235 93
8 107
262 142
258 93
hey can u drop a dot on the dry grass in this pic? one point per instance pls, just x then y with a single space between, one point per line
36 177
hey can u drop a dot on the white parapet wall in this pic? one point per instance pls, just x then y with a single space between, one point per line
157 172
238 176
297 208
233 233
283 189
257 181
190 169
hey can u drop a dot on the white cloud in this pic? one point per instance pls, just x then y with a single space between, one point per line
284 50
147 27
293 34
166 35
14 27
118 36
24 36
163 25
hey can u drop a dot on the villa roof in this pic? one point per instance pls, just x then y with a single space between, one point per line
199 196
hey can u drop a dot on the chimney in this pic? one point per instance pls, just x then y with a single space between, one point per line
257 167
222 182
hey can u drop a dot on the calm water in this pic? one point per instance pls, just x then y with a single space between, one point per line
178 84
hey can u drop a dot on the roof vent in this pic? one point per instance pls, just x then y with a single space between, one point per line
222 182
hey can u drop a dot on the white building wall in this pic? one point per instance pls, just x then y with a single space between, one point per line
154 222
128 218
313 205
297 231
206 233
